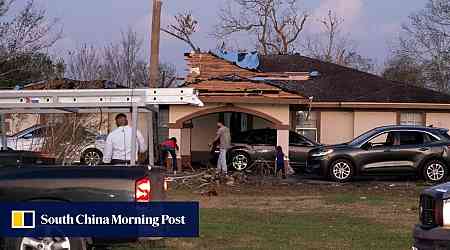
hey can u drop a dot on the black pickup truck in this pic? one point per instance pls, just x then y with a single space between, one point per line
77 184
433 231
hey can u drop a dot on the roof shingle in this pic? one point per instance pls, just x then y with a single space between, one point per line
341 84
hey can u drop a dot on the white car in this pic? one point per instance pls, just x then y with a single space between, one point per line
33 138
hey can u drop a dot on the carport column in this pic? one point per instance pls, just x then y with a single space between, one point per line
176 132
185 148
283 141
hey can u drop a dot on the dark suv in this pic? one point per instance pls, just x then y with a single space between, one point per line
259 144
386 150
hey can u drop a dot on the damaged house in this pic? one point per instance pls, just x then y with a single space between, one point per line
325 102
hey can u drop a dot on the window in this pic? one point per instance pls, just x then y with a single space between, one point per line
429 138
243 137
387 139
272 137
411 138
411 118
257 138
381 140
307 123
295 139
33 134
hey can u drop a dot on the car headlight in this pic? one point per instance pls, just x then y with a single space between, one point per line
323 153
446 212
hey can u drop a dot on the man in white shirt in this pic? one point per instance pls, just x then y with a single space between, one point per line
117 149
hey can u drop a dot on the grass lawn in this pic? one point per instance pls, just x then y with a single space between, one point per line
308 217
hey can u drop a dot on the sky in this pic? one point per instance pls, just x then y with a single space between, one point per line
373 24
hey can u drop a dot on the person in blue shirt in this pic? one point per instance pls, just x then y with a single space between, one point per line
279 161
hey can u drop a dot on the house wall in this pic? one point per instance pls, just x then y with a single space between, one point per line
441 120
364 121
336 127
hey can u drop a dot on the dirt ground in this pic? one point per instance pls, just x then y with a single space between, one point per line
378 200
308 213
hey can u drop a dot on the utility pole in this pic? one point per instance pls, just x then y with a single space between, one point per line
154 72
156 33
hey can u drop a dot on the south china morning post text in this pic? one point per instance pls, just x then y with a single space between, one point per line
108 219
115 219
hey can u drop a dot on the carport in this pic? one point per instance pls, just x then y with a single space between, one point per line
239 103
135 101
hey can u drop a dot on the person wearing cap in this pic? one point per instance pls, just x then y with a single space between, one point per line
169 147
117 149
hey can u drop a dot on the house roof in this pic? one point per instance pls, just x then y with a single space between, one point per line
342 84
238 89
72 84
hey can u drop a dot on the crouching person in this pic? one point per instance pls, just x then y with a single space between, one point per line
169 147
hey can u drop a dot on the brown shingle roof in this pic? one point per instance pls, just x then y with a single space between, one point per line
342 84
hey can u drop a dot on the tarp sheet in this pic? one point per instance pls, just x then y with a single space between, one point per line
243 60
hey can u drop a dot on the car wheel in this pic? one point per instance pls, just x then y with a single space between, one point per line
341 170
92 157
435 171
240 161
54 243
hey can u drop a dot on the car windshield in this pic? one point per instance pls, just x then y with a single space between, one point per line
362 138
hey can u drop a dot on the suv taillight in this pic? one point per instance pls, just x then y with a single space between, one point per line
143 190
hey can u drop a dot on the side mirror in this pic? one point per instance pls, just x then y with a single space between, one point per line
368 146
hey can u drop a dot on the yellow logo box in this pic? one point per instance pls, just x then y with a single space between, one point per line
22 219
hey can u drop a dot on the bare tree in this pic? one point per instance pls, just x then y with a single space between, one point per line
404 69
68 134
276 24
183 28
168 75
85 64
24 35
427 39
331 45
120 60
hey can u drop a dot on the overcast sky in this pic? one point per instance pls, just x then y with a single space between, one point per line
373 24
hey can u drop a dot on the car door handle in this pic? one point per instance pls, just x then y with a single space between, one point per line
424 149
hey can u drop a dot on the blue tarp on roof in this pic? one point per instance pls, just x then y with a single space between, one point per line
243 60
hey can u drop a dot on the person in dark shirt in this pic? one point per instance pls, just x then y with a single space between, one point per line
279 161
169 147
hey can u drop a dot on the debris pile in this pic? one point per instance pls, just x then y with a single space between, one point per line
207 180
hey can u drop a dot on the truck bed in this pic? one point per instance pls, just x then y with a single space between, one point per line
77 183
